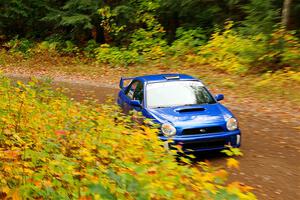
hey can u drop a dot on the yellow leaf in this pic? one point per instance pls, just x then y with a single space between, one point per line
247 188
240 186
223 174
5 189
15 195
232 163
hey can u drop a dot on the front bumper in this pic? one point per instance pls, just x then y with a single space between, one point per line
205 142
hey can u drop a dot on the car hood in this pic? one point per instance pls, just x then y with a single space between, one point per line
190 116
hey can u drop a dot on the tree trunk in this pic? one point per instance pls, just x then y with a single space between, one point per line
285 19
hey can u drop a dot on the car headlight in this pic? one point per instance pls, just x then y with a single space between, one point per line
168 130
232 124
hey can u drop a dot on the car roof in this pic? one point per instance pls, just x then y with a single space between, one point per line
165 77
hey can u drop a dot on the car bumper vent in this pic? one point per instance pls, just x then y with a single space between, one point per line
204 145
194 131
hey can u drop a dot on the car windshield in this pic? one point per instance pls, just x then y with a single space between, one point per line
177 93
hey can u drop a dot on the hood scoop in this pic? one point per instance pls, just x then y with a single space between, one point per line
184 110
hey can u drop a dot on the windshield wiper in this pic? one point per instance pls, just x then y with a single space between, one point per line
160 107
199 104
189 104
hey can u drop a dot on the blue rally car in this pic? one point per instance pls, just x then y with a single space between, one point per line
184 108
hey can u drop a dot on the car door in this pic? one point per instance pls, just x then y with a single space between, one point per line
135 91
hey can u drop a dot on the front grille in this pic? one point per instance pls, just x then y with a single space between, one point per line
204 144
194 131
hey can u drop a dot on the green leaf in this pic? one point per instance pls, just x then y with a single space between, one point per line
102 191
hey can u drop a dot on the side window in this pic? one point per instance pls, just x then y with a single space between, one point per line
139 92
131 89
135 91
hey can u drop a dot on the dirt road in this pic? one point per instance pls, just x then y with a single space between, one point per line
271 161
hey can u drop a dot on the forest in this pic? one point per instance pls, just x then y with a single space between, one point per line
242 37
116 22
244 32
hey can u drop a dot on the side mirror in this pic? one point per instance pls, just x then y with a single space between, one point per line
219 97
135 103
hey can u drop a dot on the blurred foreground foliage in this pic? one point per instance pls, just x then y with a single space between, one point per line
54 148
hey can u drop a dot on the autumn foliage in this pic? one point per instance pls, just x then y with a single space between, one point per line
54 148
